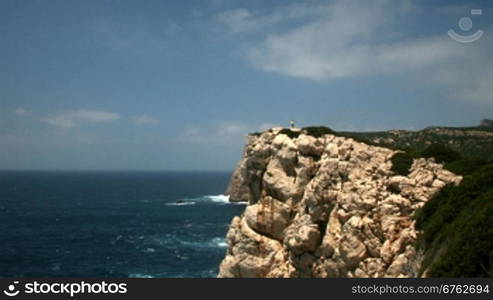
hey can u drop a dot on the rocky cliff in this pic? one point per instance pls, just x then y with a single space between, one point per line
325 206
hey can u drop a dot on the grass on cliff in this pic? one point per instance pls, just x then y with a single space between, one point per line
457 228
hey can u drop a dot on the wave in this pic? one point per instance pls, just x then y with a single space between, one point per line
217 199
139 275
216 242
220 199
170 241
185 203
219 242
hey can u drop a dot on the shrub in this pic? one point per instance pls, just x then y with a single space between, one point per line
315 131
291 134
255 133
441 153
318 131
457 228
469 245
465 166
401 163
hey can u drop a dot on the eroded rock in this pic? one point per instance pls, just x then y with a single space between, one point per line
326 207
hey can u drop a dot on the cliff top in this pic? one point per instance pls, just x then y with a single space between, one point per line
474 142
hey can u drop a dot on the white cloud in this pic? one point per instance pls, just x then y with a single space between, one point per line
237 20
145 120
21 112
347 39
337 46
244 21
72 119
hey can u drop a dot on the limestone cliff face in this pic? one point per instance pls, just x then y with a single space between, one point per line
325 207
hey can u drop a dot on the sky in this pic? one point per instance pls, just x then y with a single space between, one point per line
177 85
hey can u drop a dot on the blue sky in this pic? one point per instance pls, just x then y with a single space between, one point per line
176 85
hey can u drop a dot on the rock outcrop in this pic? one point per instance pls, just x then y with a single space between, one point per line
325 207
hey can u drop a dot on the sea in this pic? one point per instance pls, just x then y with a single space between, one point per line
113 224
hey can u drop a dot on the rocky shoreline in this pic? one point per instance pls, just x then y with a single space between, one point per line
326 206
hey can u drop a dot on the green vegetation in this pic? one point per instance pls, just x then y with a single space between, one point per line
465 166
457 224
457 228
441 153
471 142
315 131
255 133
401 163
290 133
318 131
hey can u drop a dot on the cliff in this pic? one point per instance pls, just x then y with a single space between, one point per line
326 206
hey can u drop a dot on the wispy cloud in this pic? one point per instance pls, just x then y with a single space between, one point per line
345 39
21 112
247 21
335 46
145 120
72 119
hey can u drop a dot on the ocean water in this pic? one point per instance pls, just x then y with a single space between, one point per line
113 224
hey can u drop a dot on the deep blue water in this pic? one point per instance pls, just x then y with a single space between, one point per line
113 224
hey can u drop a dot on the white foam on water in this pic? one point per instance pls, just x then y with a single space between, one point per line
218 198
186 203
221 199
219 242
139 275
216 242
